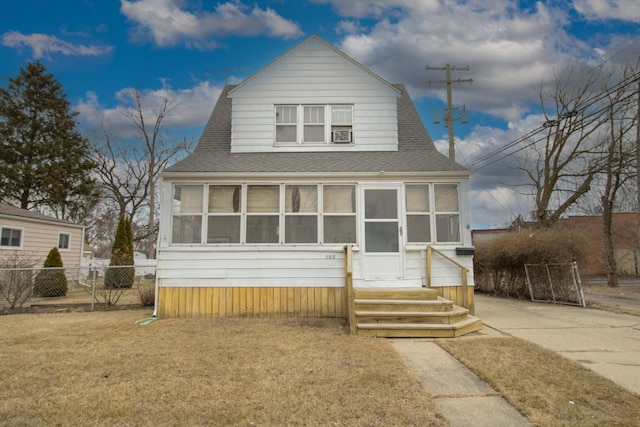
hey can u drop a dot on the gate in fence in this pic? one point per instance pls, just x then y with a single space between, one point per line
94 286
559 283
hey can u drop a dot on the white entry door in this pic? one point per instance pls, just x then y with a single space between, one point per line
382 228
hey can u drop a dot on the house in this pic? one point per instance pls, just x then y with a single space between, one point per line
33 235
312 170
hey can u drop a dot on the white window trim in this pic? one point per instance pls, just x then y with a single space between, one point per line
433 213
328 126
67 249
13 248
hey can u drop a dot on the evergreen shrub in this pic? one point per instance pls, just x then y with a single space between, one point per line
121 276
51 281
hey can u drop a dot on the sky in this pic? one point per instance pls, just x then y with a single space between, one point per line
102 50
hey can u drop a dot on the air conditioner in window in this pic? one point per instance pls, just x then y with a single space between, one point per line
341 136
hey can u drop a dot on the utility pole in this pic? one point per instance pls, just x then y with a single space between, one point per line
449 115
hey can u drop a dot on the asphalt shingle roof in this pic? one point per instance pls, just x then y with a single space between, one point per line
8 210
416 151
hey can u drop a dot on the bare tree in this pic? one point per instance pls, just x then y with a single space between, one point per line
561 166
618 162
129 170
156 153
122 171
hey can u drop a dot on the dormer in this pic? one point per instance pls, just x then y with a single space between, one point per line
314 98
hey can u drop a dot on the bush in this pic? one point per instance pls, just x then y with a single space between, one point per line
147 295
121 255
499 263
51 281
119 277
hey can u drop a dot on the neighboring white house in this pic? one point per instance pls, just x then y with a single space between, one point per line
311 154
34 235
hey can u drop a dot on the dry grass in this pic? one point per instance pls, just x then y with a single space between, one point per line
101 369
78 294
547 388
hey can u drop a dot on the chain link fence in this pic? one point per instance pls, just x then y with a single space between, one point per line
92 287
559 283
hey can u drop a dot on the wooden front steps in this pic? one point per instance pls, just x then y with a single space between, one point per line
414 312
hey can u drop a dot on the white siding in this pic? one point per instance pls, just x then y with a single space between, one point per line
251 267
314 74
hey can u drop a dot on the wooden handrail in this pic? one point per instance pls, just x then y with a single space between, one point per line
463 270
348 282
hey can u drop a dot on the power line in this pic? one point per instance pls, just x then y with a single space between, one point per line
551 123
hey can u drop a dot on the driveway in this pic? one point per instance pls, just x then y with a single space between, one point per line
607 343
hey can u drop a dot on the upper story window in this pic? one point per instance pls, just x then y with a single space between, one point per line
10 238
286 123
314 124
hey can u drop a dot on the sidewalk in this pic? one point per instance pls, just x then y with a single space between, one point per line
605 342
463 398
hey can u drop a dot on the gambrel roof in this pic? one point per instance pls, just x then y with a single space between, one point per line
416 151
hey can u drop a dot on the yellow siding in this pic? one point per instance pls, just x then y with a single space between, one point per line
252 302
456 294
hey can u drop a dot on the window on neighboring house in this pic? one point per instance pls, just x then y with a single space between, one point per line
64 240
224 214
301 214
447 213
187 214
339 213
319 124
286 123
11 238
263 214
418 218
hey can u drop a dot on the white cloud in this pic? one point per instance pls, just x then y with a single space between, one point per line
43 45
509 51
172 22
190 107
625 10
498 193
379 8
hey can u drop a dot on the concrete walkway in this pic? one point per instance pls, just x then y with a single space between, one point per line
463 398
605 342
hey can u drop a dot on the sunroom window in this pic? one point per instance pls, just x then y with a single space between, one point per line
224 214
339 213
263 219
187 214
418 208
447 213
301 214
